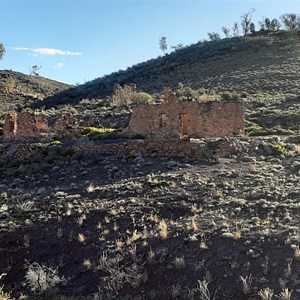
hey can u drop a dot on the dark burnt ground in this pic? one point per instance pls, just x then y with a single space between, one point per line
224 220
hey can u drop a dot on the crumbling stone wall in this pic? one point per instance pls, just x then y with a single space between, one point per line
10 126
27 125
23 125
197 148
41 122
65 125
173 119
210 148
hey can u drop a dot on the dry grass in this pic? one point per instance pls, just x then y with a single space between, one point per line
134 237
90 188
87 263
266 294
286 294
247 284
81 238
297 252
154 218
119 244
192 226
163 229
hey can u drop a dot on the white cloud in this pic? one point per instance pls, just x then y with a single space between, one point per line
59 65
46 51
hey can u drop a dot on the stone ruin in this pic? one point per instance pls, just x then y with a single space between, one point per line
175 120
171 128
27 125
168 120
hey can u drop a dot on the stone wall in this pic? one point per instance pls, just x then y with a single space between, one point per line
174 120
27 125
213 148
65 125
204 148
10 126
22 125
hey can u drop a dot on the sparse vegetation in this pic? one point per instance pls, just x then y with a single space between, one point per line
41 278
93 133
97 226
124 242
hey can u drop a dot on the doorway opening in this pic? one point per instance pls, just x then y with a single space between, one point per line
184 124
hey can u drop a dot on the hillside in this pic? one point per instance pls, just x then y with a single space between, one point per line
258 63
107 227
18 89
263 69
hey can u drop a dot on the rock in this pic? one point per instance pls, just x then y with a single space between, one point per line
139 161
4 208
208 153
172 164
287 218
251 159
4 215
228 235
296 163
268 149
41 191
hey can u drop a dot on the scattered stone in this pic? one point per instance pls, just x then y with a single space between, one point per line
41 191
248 159
4 208
228 235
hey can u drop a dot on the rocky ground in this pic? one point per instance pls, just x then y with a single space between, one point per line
107 227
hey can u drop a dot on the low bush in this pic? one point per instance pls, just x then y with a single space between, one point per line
141 98
40 278
257 130
279 149
93 133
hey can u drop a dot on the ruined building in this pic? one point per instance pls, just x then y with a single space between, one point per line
175 120
166 121
27 125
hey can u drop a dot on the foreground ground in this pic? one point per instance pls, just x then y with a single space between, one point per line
106 227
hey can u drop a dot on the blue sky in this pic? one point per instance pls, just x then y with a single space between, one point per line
75 41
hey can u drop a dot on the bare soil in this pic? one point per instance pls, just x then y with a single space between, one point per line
224 220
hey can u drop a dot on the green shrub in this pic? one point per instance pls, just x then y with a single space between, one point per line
87 130
282 131
141 98
256 130
93 133
229 96
226 95
279 149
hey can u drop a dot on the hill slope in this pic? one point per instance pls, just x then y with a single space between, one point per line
18 89
262 68
261 62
